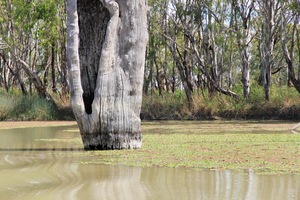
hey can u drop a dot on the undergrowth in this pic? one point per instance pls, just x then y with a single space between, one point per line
15 106
284 104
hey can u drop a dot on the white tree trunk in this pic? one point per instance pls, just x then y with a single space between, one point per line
106 59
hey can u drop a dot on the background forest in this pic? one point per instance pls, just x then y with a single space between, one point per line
205 60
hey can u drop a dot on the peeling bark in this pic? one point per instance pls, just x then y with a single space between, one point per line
106 80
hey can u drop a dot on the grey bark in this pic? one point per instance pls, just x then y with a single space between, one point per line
181 58
37 82
244 40
269 25
106 57
289 53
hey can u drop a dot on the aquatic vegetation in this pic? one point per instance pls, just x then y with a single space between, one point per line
262 147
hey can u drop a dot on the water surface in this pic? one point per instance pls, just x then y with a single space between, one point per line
46 163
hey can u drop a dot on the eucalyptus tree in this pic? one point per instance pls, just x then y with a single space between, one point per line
205 30
158 69
269 14
29 28
181 19
243 10
216 47
106 56
10 72
290 16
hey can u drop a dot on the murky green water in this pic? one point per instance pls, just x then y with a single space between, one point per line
38 163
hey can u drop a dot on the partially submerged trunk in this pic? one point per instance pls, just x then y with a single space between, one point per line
106 55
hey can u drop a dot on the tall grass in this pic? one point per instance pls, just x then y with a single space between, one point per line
15 106
284 104
168 106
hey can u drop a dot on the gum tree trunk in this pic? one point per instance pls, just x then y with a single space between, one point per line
106 56
244 40
269 25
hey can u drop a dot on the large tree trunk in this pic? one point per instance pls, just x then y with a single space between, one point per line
106 70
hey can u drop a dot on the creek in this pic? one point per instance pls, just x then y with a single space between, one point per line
44 163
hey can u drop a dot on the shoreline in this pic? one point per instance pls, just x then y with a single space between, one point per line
31 124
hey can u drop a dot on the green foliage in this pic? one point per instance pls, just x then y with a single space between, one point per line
37 25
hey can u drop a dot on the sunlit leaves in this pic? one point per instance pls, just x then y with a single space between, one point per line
36 18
